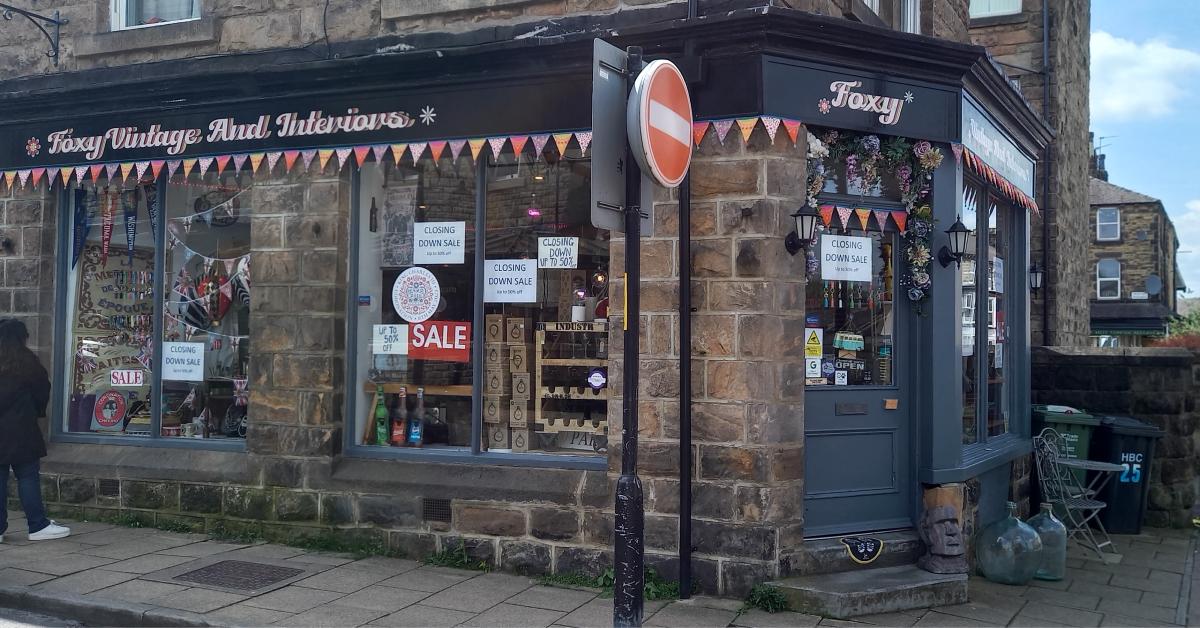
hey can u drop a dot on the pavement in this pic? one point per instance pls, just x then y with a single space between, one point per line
105 575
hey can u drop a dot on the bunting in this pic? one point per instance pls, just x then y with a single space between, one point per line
343 156
771 124
125 170
561 140
722 127
256 160
323 156
379 150
864 215
272 159
844 215
881 218
826 212
518 143
222 162
289 159
793 129
415 150
539 143
360 155
476 147
747 127
435 151
307 157
456 147
1002 184
188 164
699 128
497 144
156 167
398 152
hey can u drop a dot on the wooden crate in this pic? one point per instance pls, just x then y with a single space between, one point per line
496 355
499 437
497 382
521 386
517 331
523 439
518 358
518 413
493 330
496 409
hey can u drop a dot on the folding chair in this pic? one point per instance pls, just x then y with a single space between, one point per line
1074 501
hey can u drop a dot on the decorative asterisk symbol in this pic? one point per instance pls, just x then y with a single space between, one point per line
33 147
908 96
427 116
823 105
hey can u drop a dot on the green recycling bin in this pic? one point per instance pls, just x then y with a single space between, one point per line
1074 426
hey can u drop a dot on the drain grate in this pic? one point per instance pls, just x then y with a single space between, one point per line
110 487
239 574
435 509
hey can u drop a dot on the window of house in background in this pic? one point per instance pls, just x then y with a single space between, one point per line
206 307
415 304
546 382
910 16
1108 279
1108 223
1107 342
993 8
139 13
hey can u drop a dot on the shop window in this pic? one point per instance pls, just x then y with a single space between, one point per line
851 317
128 14
998 252
199 232
1108 224
969 323
1108 279
994 8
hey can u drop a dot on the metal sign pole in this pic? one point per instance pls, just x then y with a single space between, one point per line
628 578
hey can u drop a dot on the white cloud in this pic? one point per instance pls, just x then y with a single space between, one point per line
1143 80
1187 228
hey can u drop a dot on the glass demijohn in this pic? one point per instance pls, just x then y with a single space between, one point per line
1009 551
1054 544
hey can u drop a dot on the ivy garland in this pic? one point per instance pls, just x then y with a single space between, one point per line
866 157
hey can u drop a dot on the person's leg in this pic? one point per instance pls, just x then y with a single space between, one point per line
29 488
4 494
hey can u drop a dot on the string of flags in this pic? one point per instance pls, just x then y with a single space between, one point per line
845 215
412 152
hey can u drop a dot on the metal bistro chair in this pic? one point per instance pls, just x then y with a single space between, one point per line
1077 503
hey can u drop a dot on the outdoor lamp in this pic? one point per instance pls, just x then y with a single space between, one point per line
1036 275
806 228
959 234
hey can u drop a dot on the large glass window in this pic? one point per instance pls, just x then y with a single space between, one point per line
138 13
1108 279
998 249
1108 223
969 308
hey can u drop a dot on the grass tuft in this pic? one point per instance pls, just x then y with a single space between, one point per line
457 558
767 598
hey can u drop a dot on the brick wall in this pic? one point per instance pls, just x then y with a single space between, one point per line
1018 40
1159 386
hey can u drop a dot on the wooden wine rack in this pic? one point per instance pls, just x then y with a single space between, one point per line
550 420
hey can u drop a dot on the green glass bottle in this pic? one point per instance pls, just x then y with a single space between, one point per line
381 418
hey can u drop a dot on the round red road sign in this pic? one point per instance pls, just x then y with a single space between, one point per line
660 123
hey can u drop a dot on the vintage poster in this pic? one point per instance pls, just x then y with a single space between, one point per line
396 220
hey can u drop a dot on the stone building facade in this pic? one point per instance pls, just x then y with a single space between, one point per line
1059 313
1139 242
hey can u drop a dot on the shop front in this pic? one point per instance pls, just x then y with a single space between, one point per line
366 296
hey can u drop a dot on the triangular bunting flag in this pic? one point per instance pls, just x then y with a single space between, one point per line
80 172
901 218
416 149
379 150
360 154
476 147
96 170
23 175
539 143
881 218
239 161
142 167
793 129
343 156
156 167
561 140
497 144
272 159
398 152
958 151
37 175
584 138
307 157
436 149
289 159
722 127
66 174
222 162
126 168
747 127
9 177
518 144
698 130
256 160
864 215
456 147
826 212
844 216
188 164
111 170
204 163
323 156
771 124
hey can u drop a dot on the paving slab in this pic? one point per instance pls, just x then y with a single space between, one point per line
829 621
324 558
899 618
332 615
678 614
1025 621
294 599
597 613
1121 621
141 591
147 563
477 594
1061 615
1106 592
197 600
1083 601
198 550
381 598
85 582
1161 599
345 579
934 618
12 577
1140 611
419 616
756 618
65 564
430 580
506 615
398 565
123 550
243 614
552 598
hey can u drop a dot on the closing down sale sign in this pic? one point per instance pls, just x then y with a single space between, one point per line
846 258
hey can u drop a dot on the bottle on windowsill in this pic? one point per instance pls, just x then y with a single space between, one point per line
398 424
381 417
416 422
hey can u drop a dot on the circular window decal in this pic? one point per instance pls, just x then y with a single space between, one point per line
416 294
110 409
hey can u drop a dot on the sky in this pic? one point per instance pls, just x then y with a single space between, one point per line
1145 89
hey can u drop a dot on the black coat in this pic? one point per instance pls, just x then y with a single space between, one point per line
23 399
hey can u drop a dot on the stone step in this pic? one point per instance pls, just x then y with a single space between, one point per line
829 555
850 594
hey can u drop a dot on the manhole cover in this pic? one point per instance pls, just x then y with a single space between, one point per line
239 574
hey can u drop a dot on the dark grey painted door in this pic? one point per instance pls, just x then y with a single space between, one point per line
858 440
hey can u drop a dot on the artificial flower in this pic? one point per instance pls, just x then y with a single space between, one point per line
921 148
915 294
919 256
870 144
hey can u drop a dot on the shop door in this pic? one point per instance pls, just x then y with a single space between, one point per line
858 474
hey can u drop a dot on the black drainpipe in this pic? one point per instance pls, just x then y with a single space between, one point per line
685 361
1049 156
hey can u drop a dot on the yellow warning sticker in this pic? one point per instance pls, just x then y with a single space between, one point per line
813 342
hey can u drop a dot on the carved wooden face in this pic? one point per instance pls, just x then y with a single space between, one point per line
943 534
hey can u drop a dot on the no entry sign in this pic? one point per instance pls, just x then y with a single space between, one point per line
660 123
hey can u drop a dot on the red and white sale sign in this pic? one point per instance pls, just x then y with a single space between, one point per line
446 341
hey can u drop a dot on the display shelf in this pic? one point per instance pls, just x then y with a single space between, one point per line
393 388
572 422
549 414
574 362
579 393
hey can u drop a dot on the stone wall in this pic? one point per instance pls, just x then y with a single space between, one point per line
1146 247
1159 386
747 366
1018 40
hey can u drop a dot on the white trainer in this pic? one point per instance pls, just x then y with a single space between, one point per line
52 531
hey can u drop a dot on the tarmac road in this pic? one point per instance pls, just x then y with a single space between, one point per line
14 618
